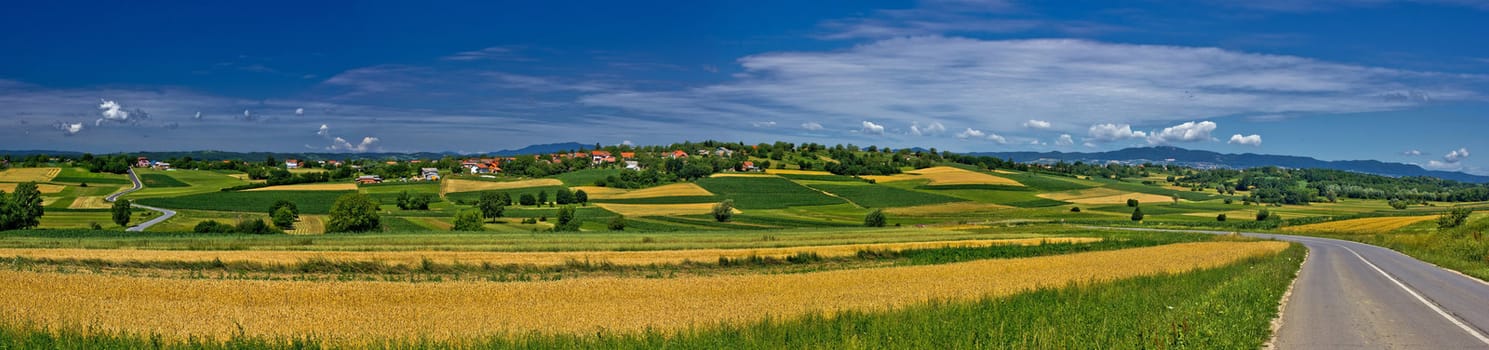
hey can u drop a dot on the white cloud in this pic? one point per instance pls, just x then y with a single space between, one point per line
627 143
1249 140
997 138
872 129
1065 140
1035 142
111 111
198 116
324 131
340 144
970 133
995 82
1112 132
1412 153
766 124
69 129
299 112
1456 155
813 126
1037 124
934 128
1186 132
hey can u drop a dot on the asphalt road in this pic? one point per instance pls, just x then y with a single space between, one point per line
165 214
1352 295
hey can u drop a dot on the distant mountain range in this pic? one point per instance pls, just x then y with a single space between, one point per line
221 155
1208 159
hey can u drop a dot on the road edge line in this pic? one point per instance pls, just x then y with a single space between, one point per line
1466 328
1286 296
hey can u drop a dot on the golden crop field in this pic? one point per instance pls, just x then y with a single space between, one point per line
795 172
945 175
90 202
310 187
1102 195
10 187
413 258
638 210
458 185
597 192
29 174
672 190
353 313
945 208
309 225
1362 225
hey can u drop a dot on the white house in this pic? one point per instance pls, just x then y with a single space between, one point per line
633 165
431 174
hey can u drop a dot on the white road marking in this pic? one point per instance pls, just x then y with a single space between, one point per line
1466 328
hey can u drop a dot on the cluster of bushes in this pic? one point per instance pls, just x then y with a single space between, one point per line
253 226
636 179
421 202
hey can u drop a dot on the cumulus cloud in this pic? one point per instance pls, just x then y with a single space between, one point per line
69 129
997 138
765 124
340 144
1112 132
324 131
871 129
970 133
1065 140
1248 140
1186 132
934 128
113 112
811 126
1456 155
1036 124
299 112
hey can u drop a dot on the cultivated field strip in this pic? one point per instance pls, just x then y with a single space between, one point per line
1362 225
944 175
672 190
458 185
945 209
9 187
1097 196
29 174
310 187
639 210
413 258
358 312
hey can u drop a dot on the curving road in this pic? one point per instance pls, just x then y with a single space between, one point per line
165 214
1351 295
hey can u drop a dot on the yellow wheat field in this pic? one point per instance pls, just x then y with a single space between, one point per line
672 190
413 258
659 209
1102 195
29 174
90 202
43 188
457 185
310 187
597 192
795 172
945 175
1362 225
356 312
945 208
309 225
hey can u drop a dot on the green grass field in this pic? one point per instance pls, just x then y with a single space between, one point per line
309 202
877 196
197 181
160 180
765 192
79 175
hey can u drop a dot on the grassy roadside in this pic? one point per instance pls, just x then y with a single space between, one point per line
1226 307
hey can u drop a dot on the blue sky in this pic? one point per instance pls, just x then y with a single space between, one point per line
1403 81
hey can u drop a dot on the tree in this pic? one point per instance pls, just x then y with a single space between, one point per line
490 205
1132 202
563 196
1453 218
1262 215
617 223
581 197
1137 214
566 220
283 218
468 220
255 226
286 204
1176 198
724 210
354 212
875 218
1398 204
1075 209
212 226
23 209
403 200
121 212
1220 218
527 199
542 197
421 202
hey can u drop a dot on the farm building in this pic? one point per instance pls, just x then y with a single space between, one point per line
142 162
430 174
369 179
292 164
633 165
679 154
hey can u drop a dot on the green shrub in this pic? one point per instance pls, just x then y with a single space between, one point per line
211 226
468 220
1137 214
255 226
1220 218
617 223
723 211
283 218
875 218
353 212
1132 203
1453 218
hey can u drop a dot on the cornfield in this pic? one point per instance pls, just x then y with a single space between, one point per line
672 190
360 312
944 175
457 185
